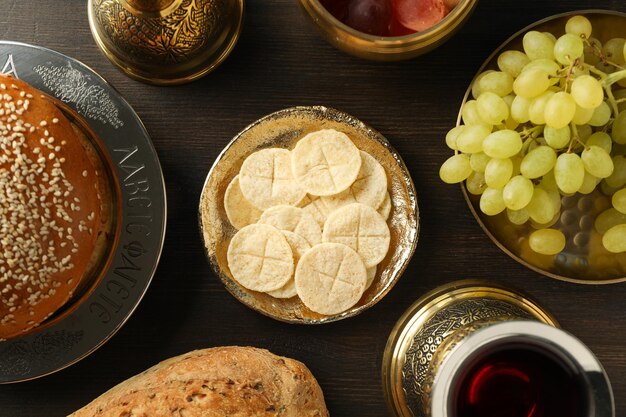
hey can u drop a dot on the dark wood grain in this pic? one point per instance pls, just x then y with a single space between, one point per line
280 62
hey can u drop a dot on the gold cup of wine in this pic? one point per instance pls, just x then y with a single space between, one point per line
472 348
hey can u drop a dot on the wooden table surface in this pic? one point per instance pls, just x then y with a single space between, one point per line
281 61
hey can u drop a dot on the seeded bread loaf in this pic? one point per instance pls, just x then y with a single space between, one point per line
225 381
53 207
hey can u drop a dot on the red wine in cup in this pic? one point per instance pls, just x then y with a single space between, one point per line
519 382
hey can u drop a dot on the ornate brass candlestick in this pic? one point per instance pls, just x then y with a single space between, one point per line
166 42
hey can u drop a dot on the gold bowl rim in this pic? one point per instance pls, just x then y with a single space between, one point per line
466 196
372 134
457 12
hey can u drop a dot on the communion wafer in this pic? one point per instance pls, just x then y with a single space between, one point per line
361 228
325 162
266 179
299 246
369 188
330 278
385 208
314 205
239 211
260 258
293 219
371 274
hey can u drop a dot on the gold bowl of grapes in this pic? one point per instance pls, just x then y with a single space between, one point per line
540 147
387 30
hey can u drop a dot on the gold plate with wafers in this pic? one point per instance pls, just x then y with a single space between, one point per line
584 259
282 130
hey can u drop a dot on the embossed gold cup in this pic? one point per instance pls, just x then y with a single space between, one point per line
448 331
166 42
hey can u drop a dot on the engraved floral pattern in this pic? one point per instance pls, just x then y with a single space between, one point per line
173 38
20 358
72 86
448 320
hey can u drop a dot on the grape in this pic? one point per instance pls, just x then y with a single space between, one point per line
548 65
601 139
619 200
579 26
502 144
456 169
591 57
589 184
605 67
540 208
369 16
538 162
607 189
475 84
550 35
597 162
537 108
618 132
475 183
568 48
471 139
601 115
470 114
420 15
517 193
548 182
559 110
618 178
512 62
607 219
582 116
614 50
452 137
478 161
584 132
569 172
497 82
547 241
531 83
537 45
491 108
517 162
587 92
519 109
614 240
491 202
498 172
517 217
557 138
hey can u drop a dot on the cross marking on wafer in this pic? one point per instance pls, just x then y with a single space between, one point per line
336 278
263 257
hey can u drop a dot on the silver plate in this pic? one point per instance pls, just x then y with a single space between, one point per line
75 335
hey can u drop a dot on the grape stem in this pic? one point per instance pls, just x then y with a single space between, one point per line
598 52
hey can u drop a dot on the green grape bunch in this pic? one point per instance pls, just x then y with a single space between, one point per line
551 122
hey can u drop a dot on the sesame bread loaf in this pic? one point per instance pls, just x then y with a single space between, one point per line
225 381
53 208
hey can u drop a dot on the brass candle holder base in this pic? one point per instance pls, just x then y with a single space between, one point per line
166 42
443 333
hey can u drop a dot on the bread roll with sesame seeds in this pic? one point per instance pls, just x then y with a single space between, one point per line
225 381
55 207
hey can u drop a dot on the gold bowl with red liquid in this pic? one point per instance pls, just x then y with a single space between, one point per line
386 48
